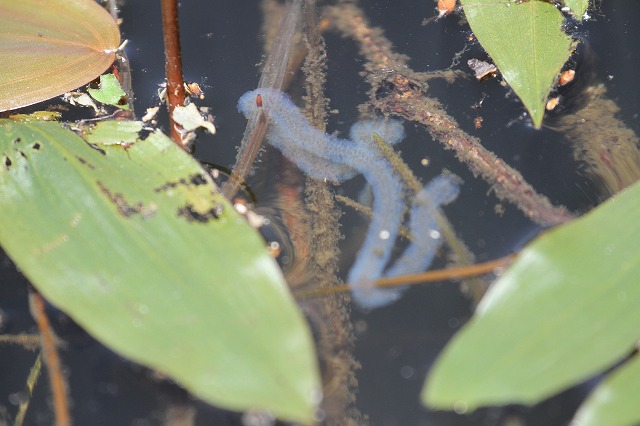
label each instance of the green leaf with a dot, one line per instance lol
(51, 47)
(565, 310)
(137, 245)
(577, 7)
(110, 91)
(526, 43)
(114, 132)
(614, 401)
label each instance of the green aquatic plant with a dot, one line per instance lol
(566, 310)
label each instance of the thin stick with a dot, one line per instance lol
(272, 76)
(248, 156)
(32, 380)
(368, 212)
(27, 341)
(173, 61)
(52, 361)
(424, 277)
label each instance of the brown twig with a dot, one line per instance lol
(273, 74)
(28, 341)
(52, 361)
(246, 158)
(408, 101)
(173, 58)
(398, 90)
(448, 274)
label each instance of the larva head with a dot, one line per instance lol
(269, 99)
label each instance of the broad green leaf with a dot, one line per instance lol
(110, 92)
(615, 400)
(565, 310)
(136, 244)
(49, 47)
(578, 7)
(526, 43)
(113, 132)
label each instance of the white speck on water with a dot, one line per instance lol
(407, 372)
(460, 407)
(434, 234)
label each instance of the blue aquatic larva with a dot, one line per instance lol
(325, 156)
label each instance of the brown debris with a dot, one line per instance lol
(566, 77)
(482, 69)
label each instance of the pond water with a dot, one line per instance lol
(396, 345)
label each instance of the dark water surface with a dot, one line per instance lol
(222, 46)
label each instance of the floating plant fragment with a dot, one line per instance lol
(110, 92)
(190, 119)
(80, 98)
(481, 69)
(49, 47)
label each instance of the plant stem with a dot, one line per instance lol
(52, 361)
(173, 61)
(273, 75)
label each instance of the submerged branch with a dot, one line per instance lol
(330, 315)
(398, 90)
(603, 142)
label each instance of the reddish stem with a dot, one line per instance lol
(175, 84)
(52, 361)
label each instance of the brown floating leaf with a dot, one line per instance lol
(49, 47)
